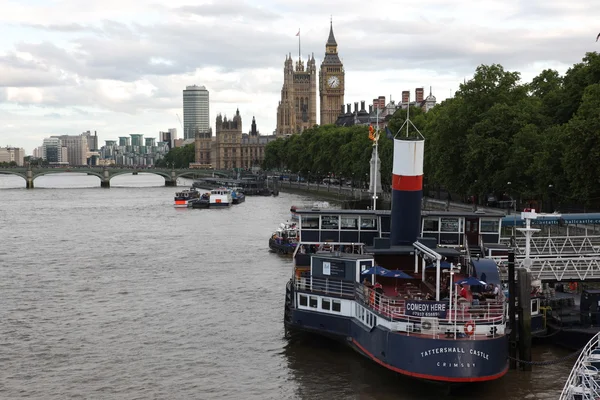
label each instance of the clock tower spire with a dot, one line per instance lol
(331, 81)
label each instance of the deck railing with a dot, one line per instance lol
(460, 317)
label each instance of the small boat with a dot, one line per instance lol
(202, 202)
(183, 197)
(221, 197)
(583, 382)
(237, 195)
(285, 239)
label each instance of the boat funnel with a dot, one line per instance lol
(407, 190)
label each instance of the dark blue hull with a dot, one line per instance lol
(281, 248)
(441, 360)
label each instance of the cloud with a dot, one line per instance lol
(227, 9)
(122, 66)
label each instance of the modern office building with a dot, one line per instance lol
(77, 148)
(195, 112)
(54, 152)
(12, 154)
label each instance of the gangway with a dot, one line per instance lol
(558, 258)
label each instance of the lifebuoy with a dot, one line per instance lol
(470, 328)
(426, 325)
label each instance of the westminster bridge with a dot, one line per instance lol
(107, 173)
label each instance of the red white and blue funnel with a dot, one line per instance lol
(407, 190)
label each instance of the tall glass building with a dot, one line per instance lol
(195, 111)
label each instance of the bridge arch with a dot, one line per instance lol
(87, 172)
(14, 173)
(165, 175)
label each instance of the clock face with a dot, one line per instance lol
(333, 81)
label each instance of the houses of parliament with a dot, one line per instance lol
(297, 109)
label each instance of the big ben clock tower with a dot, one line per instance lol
(331, 82)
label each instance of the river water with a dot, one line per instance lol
(115, 294)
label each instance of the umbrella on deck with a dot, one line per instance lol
(471, 281)
(377, 270)
(400, 275)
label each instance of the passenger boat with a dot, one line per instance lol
(185, 196)
(374, 292)
(285, 239)
(220, 197)
(583, 382)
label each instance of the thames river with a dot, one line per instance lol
(115, 294)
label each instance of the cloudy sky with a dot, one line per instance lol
(119, 66)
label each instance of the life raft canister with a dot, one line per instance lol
(470, 328)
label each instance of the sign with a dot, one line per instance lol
(437, 309)
(337, 268)
(326, 268)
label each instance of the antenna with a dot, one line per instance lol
(180, 123)
(408, 121)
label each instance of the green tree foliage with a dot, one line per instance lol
(178, 157)
(542, 136)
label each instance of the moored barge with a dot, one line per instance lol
(395, 298)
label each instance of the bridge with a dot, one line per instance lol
(107, 173)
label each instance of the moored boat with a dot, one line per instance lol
(220, 197)
(202, 202)
(384, 302)
(237, 196)
(285, 239)
(183, 197)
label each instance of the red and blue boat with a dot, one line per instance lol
(388, 284)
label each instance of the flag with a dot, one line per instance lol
(298, 34)
(371, 133)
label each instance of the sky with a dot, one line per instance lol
(119, 67)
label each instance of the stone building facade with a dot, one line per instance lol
(230, 148)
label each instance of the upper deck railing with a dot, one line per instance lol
(463, 318)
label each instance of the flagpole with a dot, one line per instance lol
(376, 156)
(299, 51)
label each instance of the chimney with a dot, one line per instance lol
(342, 108)
(405, 96)
(419, 95)
(356, 106)
(370, 108)
(362, 105)
(407, 190)
(348, 108)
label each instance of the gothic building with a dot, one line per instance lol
(331, 82)
(230, 148)
(297, 109)
(228, 142)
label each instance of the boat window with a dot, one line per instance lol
(325, 304)
(449, 225)
(303, 300)
(313, 301)
(336, 305)
(368, 223)
(330, 221)
(374, 320)
(490, 225)
(431, 224)
(350, 223)
(310, 222)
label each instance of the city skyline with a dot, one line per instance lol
(120, 68)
